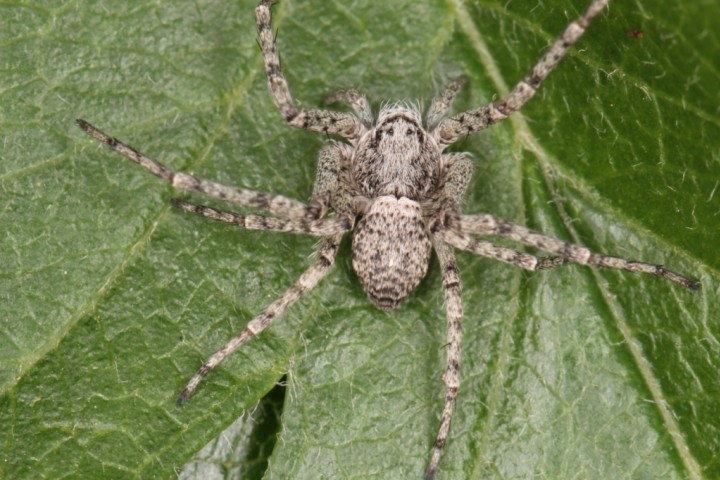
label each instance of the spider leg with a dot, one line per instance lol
(442, 102)
(454, 312)
(331, 187)
(457, 171)
(329, 190)
(337, 123)
(310, 278)
(357, 101)
(496, 252)
(276, 204)
(491, 225)
(457, 174)
(323, 227)
(449, 130)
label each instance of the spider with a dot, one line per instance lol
(391, 185)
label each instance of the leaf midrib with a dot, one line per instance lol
(526, 140)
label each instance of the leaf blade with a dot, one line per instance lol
(137, 296)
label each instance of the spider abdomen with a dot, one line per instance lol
(391, 250)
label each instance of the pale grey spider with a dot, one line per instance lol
(392, 186)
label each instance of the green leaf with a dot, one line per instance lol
(110, 299)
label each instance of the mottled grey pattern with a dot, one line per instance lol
(391, 250)
(396, 158)
(393, 179)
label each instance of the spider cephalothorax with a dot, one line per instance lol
(395, 189)
(397, 157)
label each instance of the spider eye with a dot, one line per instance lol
(391, 131)
(409, 132)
